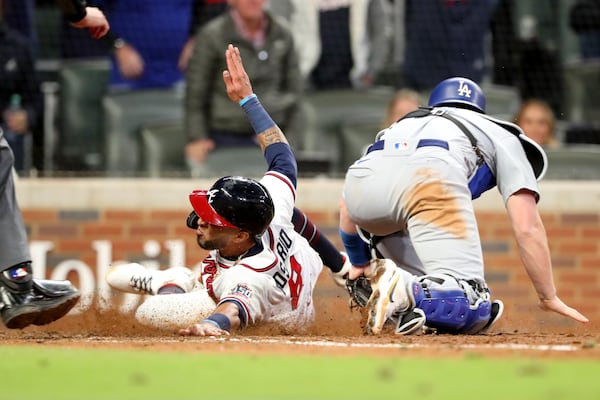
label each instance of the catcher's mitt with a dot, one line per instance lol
(359, 290)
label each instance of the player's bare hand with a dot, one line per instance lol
(235, 76)
(556, 305)
(203, 329)
(95, 21)
(358, 271)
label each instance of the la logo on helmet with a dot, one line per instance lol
(463, 89)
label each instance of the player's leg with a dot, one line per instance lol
(332, 258)
(23, 300)
(175, 311)
(136, 278)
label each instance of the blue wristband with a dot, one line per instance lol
(221, 321)
(245, 99)
(356, 248)
(257, 115)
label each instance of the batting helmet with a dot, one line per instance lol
(235, 202)
(458, 91)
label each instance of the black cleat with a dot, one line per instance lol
(44, 303)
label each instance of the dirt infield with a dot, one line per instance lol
(337, 330)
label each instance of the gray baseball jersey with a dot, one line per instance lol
(414, 184)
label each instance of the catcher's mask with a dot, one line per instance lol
(233, 202)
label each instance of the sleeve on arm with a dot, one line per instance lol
(74, 9)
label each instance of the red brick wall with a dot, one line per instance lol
(574, 243)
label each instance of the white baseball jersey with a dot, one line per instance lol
(276, 284)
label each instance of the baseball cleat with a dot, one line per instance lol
(385, 301)
(411, 322)
(495, 314)
(44, 303)
(135, 278)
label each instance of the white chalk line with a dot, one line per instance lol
(361, 345)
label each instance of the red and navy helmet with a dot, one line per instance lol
(458, 92)
(234, 202)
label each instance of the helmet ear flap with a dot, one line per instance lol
(192, 220)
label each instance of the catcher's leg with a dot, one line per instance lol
(25, 301)
(135, 278)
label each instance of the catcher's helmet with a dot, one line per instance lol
(458, 91)
(235, 202)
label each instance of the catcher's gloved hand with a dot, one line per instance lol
(359, 290)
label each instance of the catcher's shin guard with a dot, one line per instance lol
(449, 310)
(25, 301)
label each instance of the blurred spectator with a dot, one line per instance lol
(19, 15)
(540, 68)
(403, 102)
(445, 38)
(146, 38)
(270, 59)
(584, 19)
(353, 42)
(504, 43)
(202, 12)
(537, 120)
(303, 20)
(20, 96)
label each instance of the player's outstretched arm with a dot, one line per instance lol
(533, 248)
(239, 90)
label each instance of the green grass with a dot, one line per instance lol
(43, 373)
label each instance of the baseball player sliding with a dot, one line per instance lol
(258, 269)
(420, 217)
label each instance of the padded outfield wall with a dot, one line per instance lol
(78, 227)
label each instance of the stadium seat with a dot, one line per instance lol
(124, 115)
(80, 142)
(574, 162)
(327, 112)
(582, 91)
(162, 145)
(356, 133)
(501, 101)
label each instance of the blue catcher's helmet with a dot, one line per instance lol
(458, 91)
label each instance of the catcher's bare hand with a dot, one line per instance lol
(556, 305)
(203, 329)
(235, 76)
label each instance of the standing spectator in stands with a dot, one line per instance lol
(536, 118)
(540, 67)
(270, 59)
(403, 102)
(584, 19)
(445, 38)
(354, 42)
(202, 12)
(20, 96)
(147, 39)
